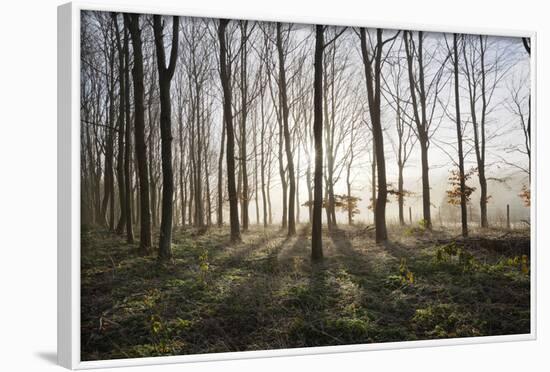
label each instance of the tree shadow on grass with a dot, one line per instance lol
(264, 293)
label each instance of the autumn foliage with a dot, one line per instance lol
(454, 194)
(525, 195)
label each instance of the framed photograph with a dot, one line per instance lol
(242, 186)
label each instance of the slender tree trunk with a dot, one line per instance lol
(401, 156)
(262, 157)
(208, 200)
(191, 204)
(109, 186)
(282, 174)
(483, 199)
(400, 197)
(165, 78)
(309, 193)
(150, 161)
(256, 196)
(220, 179)
(206, 152)
(298, 190)
(426, 203)
(225, 77)
(128, 147)
(329, 144)
(286, 131)
(463, 200)
(421, 121)
(145, 243)
(478, 124)
(481, 167)
(268, 189)
(121, 131)
(244, 113)
(327, 207)
(373, 183)
(348, 184)
(199, 205)
(373, 78)
(183, 183)
(527, 46)
(316, 226)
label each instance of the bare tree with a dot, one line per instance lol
(225, 76)
(459, 134)
(373, 67)
(316, 226)
(285, 114)
(424, 97)
(165, 77)
(400, 101)
(243, 125)
(145, 243)
(121, 126)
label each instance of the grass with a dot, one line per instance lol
(265, 293)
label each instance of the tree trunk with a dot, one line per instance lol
(316, 226)
(481, 163)
(284, 186)
(145, 242)
(463, 200)
(121, 132)
(165, 78)
(150, 153)
(262, 157)
(309, 193)
(183, 183)
(225, 77)
(244, 113)
(373, 183)
(421, 121)
(373, 93)
(128, 149)
(298, 190)
(198, 138)
(109, 179)
(220, 179)
(400, 196)
(256, 196)
(348, 184)
(286, 131)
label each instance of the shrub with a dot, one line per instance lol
(445, 320)
(451, 253)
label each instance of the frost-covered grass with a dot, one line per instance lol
(265, 293)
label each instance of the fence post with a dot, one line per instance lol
(508, 216)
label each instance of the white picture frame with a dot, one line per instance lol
(69, 188)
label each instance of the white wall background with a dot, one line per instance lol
(28, 182)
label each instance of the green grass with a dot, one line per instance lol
(264, 293)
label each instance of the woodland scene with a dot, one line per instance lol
(253, 185)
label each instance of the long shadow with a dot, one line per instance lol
(393, 248)
(270, 308)
(253, 297)
(245, 316)
(296, 249)
(347, 255)
(370, 270)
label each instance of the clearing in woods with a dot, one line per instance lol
(265, 293)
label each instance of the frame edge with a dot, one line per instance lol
(69, 276)
(64, 187)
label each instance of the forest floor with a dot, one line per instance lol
(265, 293)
